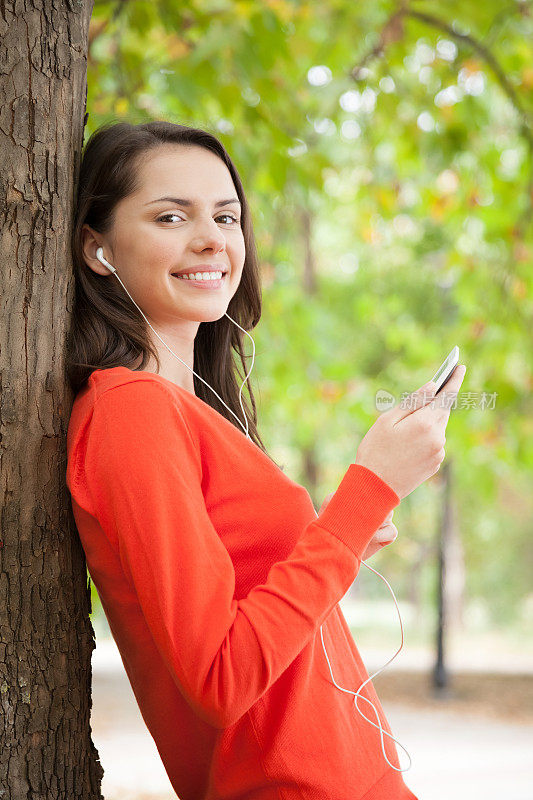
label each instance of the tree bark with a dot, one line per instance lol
(46, 637)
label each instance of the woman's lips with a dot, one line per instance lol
(209, 284)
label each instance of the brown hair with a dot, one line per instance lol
(106, 328)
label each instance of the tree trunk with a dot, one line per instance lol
(46, 638)
(455, 572)
(440, 671)
(309, 285)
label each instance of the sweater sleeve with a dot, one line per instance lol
(141, 473)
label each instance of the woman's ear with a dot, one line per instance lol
(90, 244)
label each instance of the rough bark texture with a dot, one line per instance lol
(46, 638)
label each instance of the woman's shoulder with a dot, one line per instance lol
(126, 392)
(131, 384)
(128, 414)
(104, 379)
(120, 391)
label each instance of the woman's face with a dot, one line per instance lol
(153, 238)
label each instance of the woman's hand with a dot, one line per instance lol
(385, 534)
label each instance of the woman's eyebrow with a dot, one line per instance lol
(180, 201)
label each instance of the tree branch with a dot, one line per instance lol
(487, 56)
(393, 30)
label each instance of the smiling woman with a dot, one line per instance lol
(214, 570)
(164, 199)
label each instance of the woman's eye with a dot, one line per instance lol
(166, 216)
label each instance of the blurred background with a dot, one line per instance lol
(386, 149)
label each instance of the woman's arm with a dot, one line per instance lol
(139, 473)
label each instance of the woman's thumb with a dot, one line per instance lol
(415, 400)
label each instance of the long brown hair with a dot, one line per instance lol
(106, 328)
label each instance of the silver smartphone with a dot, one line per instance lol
(446, 369)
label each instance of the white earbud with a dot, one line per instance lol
(100, 257)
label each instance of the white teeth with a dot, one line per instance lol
(201, 276)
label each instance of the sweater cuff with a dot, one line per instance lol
(358, 507)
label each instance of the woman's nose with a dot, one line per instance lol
(208, 234)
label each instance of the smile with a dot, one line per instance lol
(208, 283)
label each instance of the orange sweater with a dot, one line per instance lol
(215, 574)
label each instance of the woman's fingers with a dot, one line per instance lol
(387, 533)
(382, 537)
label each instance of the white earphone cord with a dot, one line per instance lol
(100, 257)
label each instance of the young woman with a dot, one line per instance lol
(219, 581)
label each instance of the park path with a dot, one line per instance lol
(454, 755)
